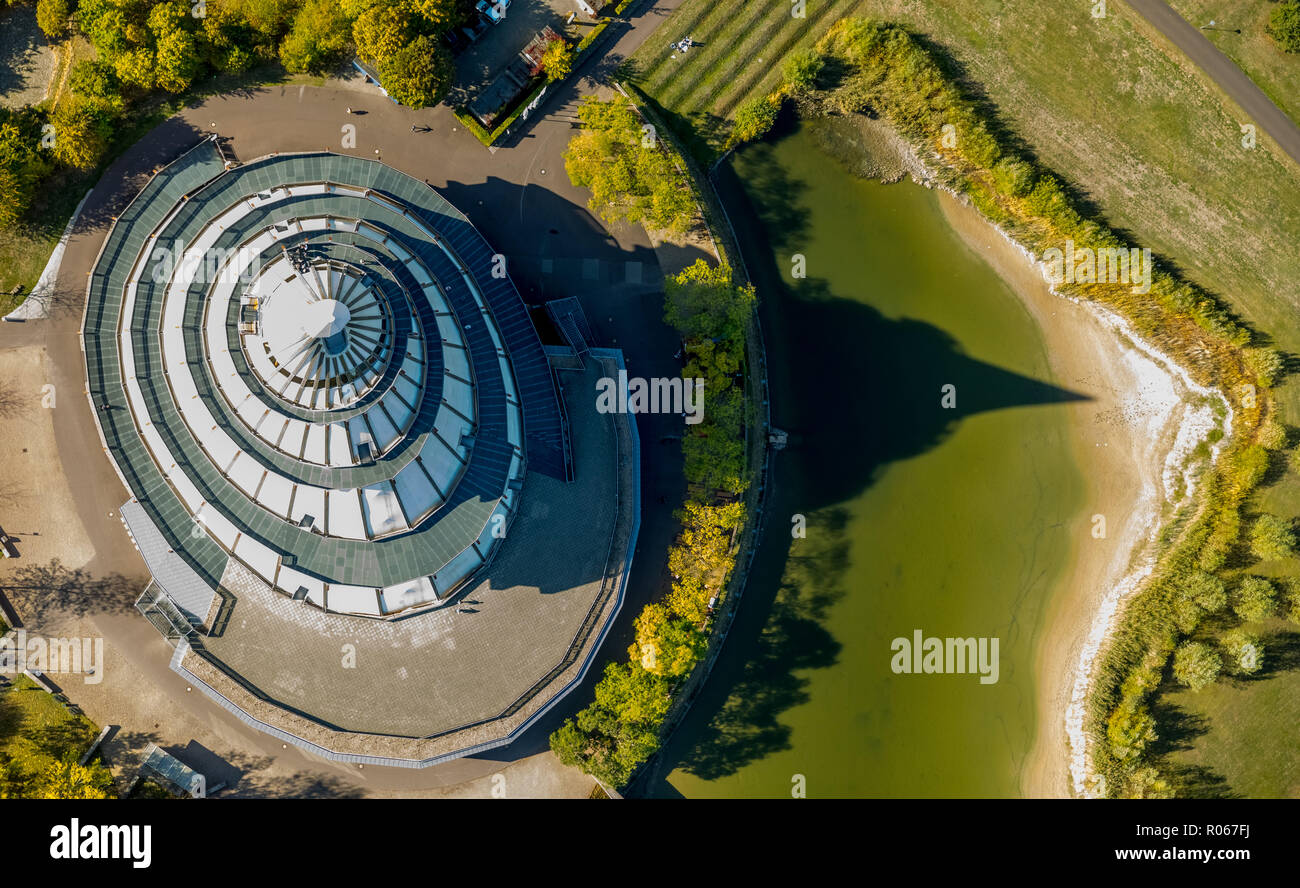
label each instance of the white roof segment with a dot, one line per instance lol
(382, 509)
(400, 596)
(354, 599)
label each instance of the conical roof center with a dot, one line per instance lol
(325, 318)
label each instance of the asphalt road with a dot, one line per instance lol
(1224, 72)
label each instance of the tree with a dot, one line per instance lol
(631, 179)
(320, 33)
(22, 162)
(705, 540)
(136, 67)
(1271, 538)
(702, 301)
(1196, 665)
(438, 15)
(382, 30)
(754, 118)
(177, 61)
(1200, 593)
(69, 780)
(420, 74)
(1244, 651)
(802, 69)
(95, 78)
(620, 729)
(82, 129)
(52, 17)
(1129, 730)
(1147, 783)
(1284, 25)
(270, 18)
(1254, 599)
(666, 645)
(714, 459)
(15, 197)
(557, 59)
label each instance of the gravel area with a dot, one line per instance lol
(27, 61)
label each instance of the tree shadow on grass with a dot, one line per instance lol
(1177, 730)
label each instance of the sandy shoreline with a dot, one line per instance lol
(1129, 442)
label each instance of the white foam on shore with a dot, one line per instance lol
(1194, 421)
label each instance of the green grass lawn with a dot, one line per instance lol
(36, 729)
(1144, 139)
(1276, 72)
(1239, 736)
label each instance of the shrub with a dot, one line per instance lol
(1271, 538)
(1284, 25)
(1254, 599)
(754, 118)
(1196, 665)
(94, 78)
(802, 68)
(1265, 364)
(1244, 651)
(1272, 435)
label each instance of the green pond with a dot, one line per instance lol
(952, 521)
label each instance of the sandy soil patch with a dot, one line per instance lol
(36, 503)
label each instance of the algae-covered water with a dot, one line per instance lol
(919, 516)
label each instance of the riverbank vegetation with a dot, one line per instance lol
(631, 178)
(624, 725)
